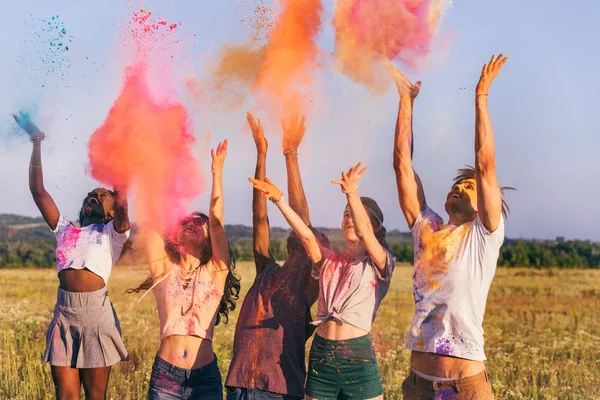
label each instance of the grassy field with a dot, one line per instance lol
(542, 332)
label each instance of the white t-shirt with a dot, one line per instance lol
(96, 247)
(454, 268)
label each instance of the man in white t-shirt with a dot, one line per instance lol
(455, 262)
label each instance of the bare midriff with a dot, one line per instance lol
(189, 352)
(442, 366)
(79, 280)
(332, 331)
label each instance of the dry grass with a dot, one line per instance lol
(542, 333)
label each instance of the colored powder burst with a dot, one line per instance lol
(279, 72)
(260, 21)
(229, 84)
(145, 142)
(41, 73)
(290, 57)
(369, 32)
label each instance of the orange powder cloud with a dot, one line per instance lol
(290, 57)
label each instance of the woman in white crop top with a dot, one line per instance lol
(351, 288)
(84, 339)
(194, 286)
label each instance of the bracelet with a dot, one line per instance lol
(37, 136)
(278, 201)
(36, 166)
(481, 94)
(288, 152)
(350, 191)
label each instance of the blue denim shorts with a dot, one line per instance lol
(169, 382)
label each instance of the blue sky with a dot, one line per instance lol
(542, 106)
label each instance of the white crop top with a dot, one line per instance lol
(96, 247)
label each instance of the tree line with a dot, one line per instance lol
(561, 253)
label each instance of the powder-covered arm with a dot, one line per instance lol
(293, 132)
(260, 219)
(121, 218)
(44, 202)
(489, 195)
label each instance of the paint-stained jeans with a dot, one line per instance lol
(169, 382)
(475, 387)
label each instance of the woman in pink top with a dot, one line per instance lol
(194, 287)
(352, 284)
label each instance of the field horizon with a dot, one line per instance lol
(541, 331)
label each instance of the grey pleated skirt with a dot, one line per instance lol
(85, 331)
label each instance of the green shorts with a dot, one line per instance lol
(343, 369)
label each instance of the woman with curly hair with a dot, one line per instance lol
(84, 339)
(194, 287)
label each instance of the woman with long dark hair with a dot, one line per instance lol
(194, 286)
(352, 285)
(84, 338)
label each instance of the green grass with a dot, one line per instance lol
(542, 333)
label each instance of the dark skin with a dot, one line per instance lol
(98, 208)
(293, 134)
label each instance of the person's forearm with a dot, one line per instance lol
(215, 217)
(360, 217)
(295, 222)
(121, 217)
(403, 138)
(36, 176)
(295, 189)
(260, 223)
(485, 155)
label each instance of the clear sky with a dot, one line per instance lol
(542, 106)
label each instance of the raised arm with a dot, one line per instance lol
(216, 228)
(293, 133)
(41, 197)
(362, 223)
(156, 256)
(489, 196)
(306, 235)
(260, 219)
(410, 190)
(121, 217)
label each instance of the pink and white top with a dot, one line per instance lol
(95, 247)
(187, 303)
(454, 268)
(350, 290)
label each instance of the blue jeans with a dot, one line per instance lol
(235, 393)
(169, 382)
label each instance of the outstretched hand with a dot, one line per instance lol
(257, 134)
(218, 156)
(268, 188)
(27, 125)
(349, 181)
(489, 72)
(405, 87)
(293, 132)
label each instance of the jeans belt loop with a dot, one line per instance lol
(456, 385)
